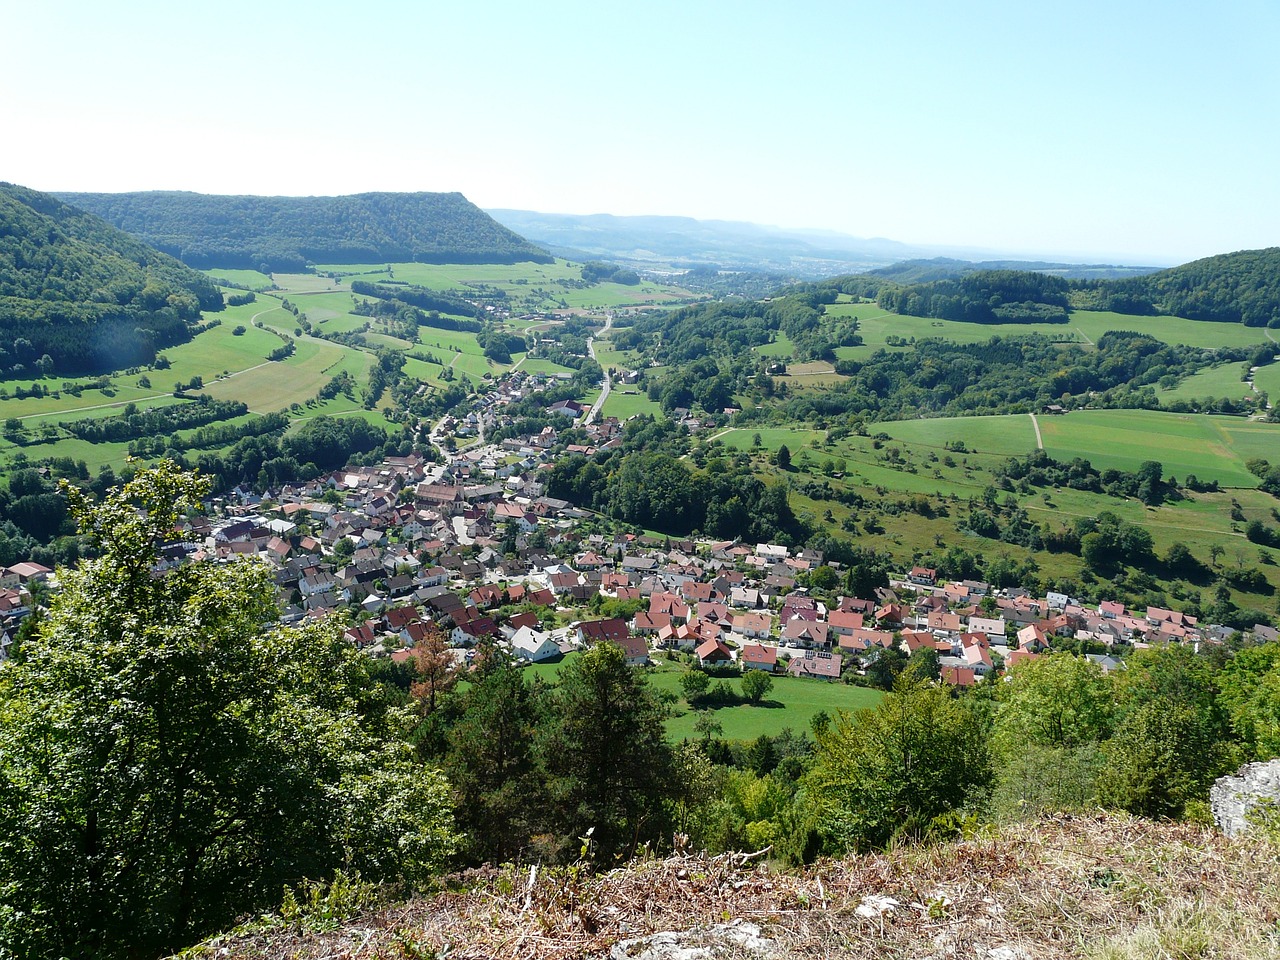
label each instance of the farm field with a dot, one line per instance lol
(914, 464)
(780, 347)
(1212, 448)
(1220, 381)
(276, 385)
(251, 279)
(1009, 436)
(1268, 379)
(528, 285)
(607, 356)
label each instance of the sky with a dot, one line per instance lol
(1139, 132)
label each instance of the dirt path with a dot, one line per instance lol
(1036, 423)
(1082, 334)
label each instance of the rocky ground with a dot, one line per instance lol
(1105, 887)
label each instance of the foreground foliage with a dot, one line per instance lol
(167, 763)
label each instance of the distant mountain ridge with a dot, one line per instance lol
(286, 233)
(946, 268)
(684, 241)
(78, 295)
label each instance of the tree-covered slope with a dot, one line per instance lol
(284, 233)
(1240, 287)
(84, 295)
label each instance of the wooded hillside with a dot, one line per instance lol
(1241, 287)
(78, 295)
(284, 233)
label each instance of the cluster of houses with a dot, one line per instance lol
(409, 549)
(472, 550)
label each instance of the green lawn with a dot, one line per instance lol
(539, 365)
(627, 402)
(793, 702)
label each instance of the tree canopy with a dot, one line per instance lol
(167, 762)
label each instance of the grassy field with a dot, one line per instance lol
(539, 365)
(1268, 379)
(793, 702)
(1220, 381)
(1212, 448)
(1007, 436)
(914, 462)
(607, 356)
(245, 278)
(627, 402)
(528, 286)
(780, 347)
(1084, 326)
(274, 386)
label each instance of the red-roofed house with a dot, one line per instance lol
(756, 657)
(822, 666)
(713, 652)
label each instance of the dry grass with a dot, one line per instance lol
(1105, 888)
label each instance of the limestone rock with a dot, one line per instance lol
(1232, 797)
(725, 940)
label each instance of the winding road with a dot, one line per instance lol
(1036, 423)
(608, 381)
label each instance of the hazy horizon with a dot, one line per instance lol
(1134, 133)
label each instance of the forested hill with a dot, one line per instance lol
(1241, 287)
(284, 233)
(78, 295)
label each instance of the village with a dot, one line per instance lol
(473, 548)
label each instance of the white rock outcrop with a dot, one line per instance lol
(1231, 798)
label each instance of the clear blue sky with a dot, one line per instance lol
(1142, 131)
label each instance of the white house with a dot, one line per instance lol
(533, 645)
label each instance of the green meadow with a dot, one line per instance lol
(1083, 326)
(1211, 448)
(1005, 435)
(1220, 381)
(793, 702)
(528, 286)
(627, 401)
